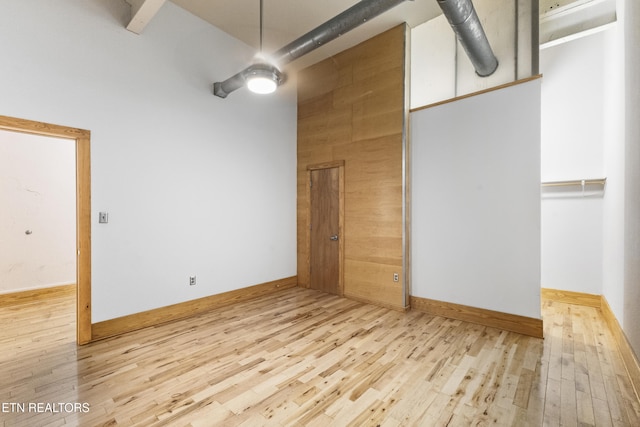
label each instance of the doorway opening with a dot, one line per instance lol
(82, 140)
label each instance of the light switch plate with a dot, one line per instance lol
(103, 217)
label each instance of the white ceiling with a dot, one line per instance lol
(286, 20)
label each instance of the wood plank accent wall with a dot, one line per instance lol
(351, 108)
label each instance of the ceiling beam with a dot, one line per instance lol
(142, 12)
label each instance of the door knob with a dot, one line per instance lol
(334, 237)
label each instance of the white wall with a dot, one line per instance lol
(194, 184)
(572, 109)
(571, 240)
(630, 317)
(614, 163)
(573, 136)
(476, 201)
(433, 64)
(601, 103)
(37, 194)
(441, 69)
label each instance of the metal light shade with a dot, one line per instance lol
(262, 78)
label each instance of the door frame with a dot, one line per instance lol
(339, 164)
(82, 140)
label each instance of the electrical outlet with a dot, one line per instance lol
(396, 277)
(192, 280)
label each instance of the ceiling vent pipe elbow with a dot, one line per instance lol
(466, 25)
(342, 23)
(235, 82)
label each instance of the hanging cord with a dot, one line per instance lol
(260, 26)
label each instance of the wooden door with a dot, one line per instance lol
(324, 274)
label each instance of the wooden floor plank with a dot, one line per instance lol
(301, 357)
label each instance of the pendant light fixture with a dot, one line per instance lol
(262, 77)
(361, 12)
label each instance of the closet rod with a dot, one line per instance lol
(581, 182)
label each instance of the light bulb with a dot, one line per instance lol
(261, 84)
(263, 78)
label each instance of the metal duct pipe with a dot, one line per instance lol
(465, 23)
(351, 18)
(346, 21)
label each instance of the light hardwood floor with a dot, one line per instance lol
(301, 357)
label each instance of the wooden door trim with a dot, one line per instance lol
(339, 164)
(82, 139)
(326, 165)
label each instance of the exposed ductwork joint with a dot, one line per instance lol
(342, 23)
(222, 89)
(466, 25)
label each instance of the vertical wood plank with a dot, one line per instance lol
(351, 107)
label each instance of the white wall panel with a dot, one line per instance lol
(476, 201)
